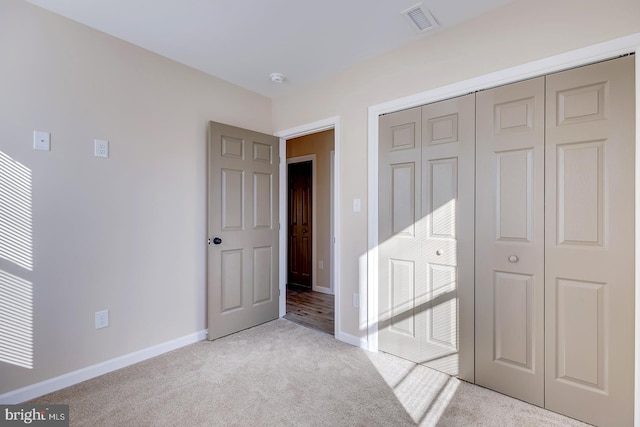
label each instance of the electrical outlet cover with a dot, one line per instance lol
(101, 148)
(102, 319)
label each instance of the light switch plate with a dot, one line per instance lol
(41, 140)
(101, 148)
(356, 300)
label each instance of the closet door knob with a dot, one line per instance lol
(439, 252)
(513, 258)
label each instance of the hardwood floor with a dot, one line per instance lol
(311, 309)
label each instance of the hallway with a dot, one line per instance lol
(312, 309)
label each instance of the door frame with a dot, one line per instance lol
(284, 135)
(583, 56)
(314, 247)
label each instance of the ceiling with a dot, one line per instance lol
(243, 42)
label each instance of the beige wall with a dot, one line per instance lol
(320, 144)
(516, 34)
(125, 233)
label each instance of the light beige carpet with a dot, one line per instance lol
(284, 374)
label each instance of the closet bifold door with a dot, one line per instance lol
(401, 326)
(510, 240)
(590, 242)
(448, 149)
(425, 233)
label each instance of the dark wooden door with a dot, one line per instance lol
(300, 221)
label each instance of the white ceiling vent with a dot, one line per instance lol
(420, 18)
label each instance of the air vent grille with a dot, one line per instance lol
(420, 18)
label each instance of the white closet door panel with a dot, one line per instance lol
(402, 275)
(510, 240)
(448, 136)
(590, 243)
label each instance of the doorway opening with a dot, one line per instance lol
(309, 230)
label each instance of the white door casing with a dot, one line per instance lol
(284, 135)
(314, 210)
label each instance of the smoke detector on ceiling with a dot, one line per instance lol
(420, 18)
(278, 77)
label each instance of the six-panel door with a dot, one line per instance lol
(589, 263)
(243, 214)
(510, 240)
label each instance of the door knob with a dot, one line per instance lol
(513, 259)
(304, 231)
(439, 252)
(217, 240)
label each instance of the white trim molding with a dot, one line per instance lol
(315, 127)
(48, 386)
(637, 246)
(353, 340)
(602, 51)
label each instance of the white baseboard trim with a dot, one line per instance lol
(323, 290)
(48, 386)
(353, 340)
